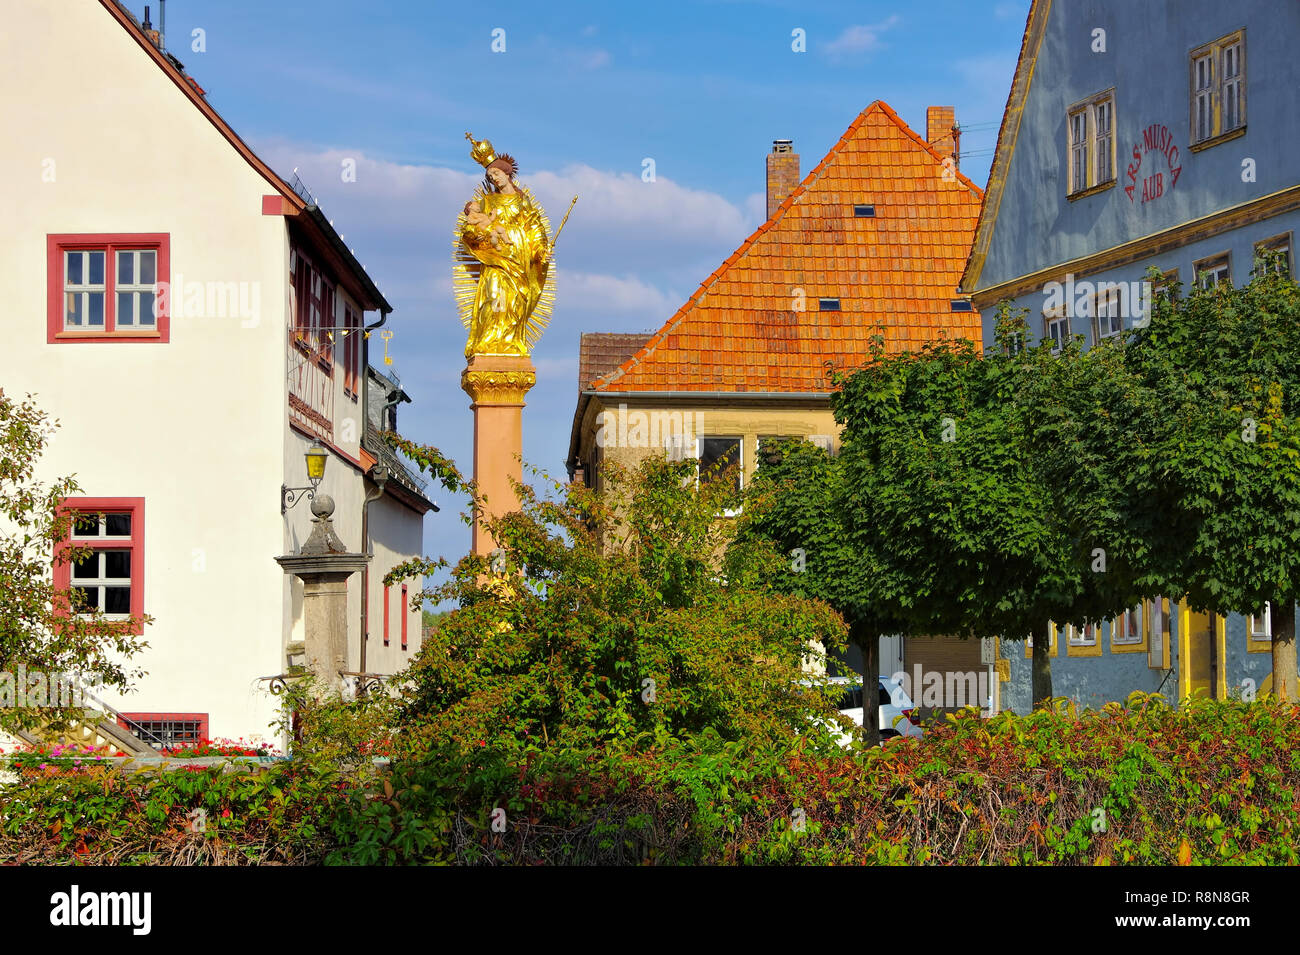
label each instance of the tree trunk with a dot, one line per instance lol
(1042, 669)
(870, 644)
(1284, 666)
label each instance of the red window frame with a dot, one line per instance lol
(351, 352)
(387, 604)
(325, 326)
(200, 718)
(93, 505)
(302, 298)
(108, 243)
(406, 615)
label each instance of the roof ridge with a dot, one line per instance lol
(786, 204)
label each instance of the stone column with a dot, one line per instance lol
(496, 385)
(324, 565)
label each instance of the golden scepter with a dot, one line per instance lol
(562, 221)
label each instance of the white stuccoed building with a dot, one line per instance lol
(195, 324)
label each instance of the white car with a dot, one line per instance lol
(897, 714)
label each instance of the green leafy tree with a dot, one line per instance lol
(1214, 479)
(618, 615)
(44, 628)
(936, 494)
(799, 502)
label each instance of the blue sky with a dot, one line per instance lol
(582, 94)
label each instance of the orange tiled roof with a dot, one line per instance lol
(896, 273)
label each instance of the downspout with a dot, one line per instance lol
(365, 507)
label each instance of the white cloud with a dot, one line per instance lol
(609, 293)
(861, 38)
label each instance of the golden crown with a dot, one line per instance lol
(481, 151)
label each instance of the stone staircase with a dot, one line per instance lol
(97, 728)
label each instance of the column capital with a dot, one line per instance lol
(498, 379)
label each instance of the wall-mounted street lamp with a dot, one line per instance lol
(316, 457)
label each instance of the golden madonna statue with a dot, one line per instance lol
(503, 276)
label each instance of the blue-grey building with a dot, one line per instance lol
(1140, 133)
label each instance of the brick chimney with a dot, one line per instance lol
(782, 173)
(941, 132)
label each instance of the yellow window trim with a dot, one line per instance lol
(1084, 182)
(1081, 649)
(1184, 652)
(1215, 51)
(1255, 645)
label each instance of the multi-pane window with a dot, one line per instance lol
(84, 288)
(102, 580)
(719, 459)
(1213, 271)
(1084, 636)
(137, 276)
(1091, 128)
(104, 286)
(1056, 327)
(314, 307)
(325, 328)
(1126, 629)
(1275, 254)
(1078, 151)
(107, 536)
(1108, 319)
(1167, 286)
(1103, 140)
(1260, 626)
(302, 272)
(1218, 88)
(351, 352)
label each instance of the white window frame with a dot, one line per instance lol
(100, 581)
(1278, 243)
(1085, 636)
(1216, 267)
(86, 289)
(135, 289)
(1124, 624)
(1112, 315)
(1253, 631)
(740, 453)
(1056, 326)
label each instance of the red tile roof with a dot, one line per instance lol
(896, 272)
